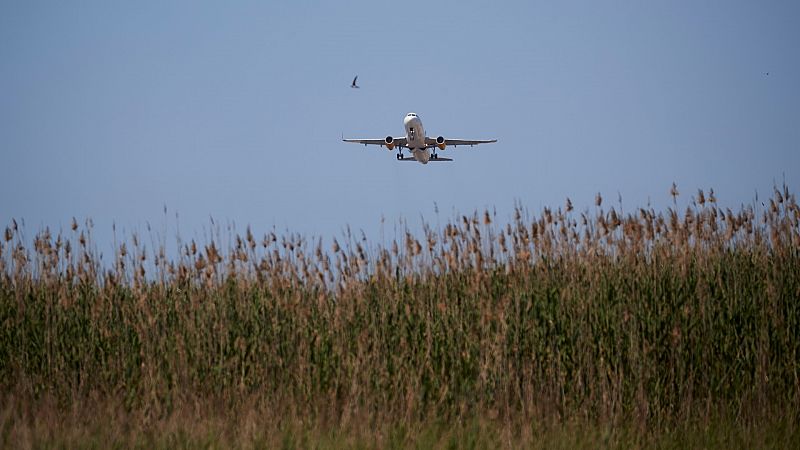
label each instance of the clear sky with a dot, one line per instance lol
(114, 110)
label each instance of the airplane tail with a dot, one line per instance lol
(409, 158)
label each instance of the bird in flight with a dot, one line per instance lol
(354, 85)
(417, 143)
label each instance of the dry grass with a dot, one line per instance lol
(632, 325)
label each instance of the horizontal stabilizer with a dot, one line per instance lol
(411, 158)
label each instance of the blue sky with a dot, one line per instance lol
(113, 110)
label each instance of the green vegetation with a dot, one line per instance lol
(560, 330)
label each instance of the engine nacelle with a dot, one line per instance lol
(441, 143)
(389, 142)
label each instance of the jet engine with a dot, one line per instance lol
(440, 142)
(389, 142)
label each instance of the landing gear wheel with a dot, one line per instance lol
(399, 156)
(435, 156)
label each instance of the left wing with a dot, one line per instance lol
(396, 142)
(431, 142)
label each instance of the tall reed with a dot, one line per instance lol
(645, 318)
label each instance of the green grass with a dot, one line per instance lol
(560, 330)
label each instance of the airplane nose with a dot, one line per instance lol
(410, 119)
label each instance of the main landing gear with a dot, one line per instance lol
(434, 155)
(399, 156)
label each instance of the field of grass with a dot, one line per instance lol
(560, 329)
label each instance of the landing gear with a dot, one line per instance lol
(434, 155)
(399, 156)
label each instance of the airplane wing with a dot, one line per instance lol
(398, 142)
(431, 142)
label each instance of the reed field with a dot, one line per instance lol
(608, 327)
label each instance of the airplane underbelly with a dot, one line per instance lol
(416, 143)
(422, 155)
(415, 134)
(419, 139)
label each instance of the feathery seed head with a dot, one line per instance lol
(778, 196)
(673, 191)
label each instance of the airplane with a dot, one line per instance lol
(417, 143)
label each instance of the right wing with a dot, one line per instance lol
(431, 142)
(396, 142)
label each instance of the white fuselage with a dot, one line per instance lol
(415, 138)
